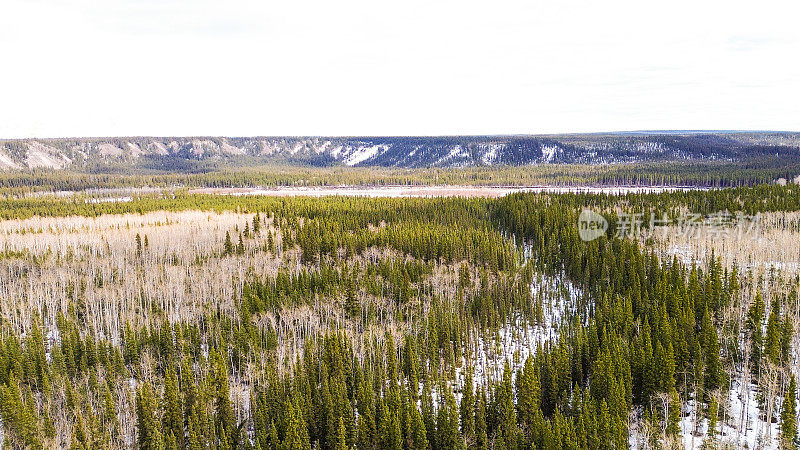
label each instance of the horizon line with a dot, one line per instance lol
(589, 133)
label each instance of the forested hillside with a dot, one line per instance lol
(192, 321)
(199, 154)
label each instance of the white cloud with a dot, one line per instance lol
(80, 67)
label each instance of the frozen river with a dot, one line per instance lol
(434, 191)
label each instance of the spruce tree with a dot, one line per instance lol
(341, 436)
(296, 429)
(447, 436)
(674, 416)
(481, 435)
(772, 347)
(173, 411)
(713, 367)
(428, 417)
(417, 438)
(789, 416)
(713, 413)
(668, 372)
(605, 434)
(240, 246)
(755, 317)
(508, 430)
(225, 421)
(367, 428)
(467, 409)
(274, 442)
(528, 393)
(194, 442)
(227, 248)
(147, 423)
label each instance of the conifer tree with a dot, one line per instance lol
(755, 317)
(713, 367)
(389, 433)
(367, 428)
(481, 436)
(225, 421)
(131, 345)
(528, 393)
(713, 413)
(668, 372)
(227, 248)
(428, 417)
(789, 416)
(352, 305)
(467, 409)
(604, 428)
(173, 410)
(147, 423)
(274, 442)
(341, 435)
(296, 429)
(240, 246)
(391, 360)
(417, 438)
(508, 432)
(170, 442)
(447, 436)
(674, 417)
(772, 347)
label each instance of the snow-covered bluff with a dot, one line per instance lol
(172, 153)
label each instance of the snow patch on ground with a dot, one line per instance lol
(362, 154)
(517, 340)
(520, 339)
(41, 155)
(136, 151)
(297, 147)
(416, 149)
(650, 147)
(6, 163)
(269, 147)
(202, 146)
(744, 425)
(740, 424)
(457, 152)
(549, 152)
(159, 148)
(106, 149)
(322, 148)
(229, 149)
(491, 154)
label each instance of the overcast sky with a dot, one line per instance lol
(302, 67)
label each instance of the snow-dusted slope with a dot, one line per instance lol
(457, 151)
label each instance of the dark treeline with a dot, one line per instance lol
(758, 170)
(359, 212)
